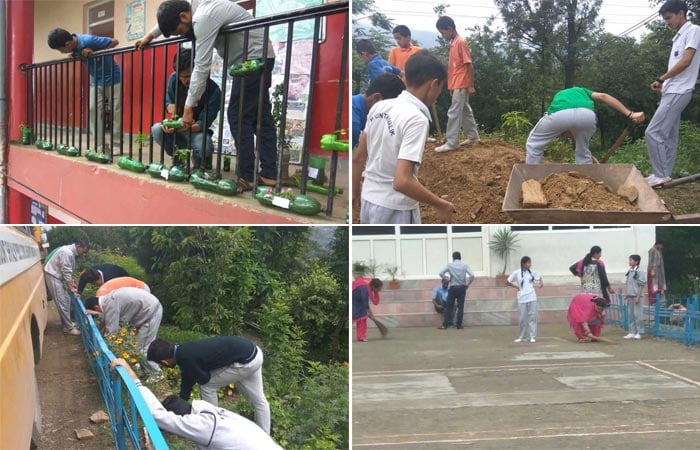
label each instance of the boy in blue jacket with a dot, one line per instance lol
(105, 79)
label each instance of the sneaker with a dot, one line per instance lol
(518, 341)
(629, 336)
(72, 331)
(468, 142)
(655, 181)
(444, 148)
(532, 340)
(637, 336)
(650, 177)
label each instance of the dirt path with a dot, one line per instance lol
(68, 391)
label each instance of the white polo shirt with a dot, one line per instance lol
(396, 129)
(526, 281)
(687, 37)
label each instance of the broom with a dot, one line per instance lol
(602, 339)
(382, 328)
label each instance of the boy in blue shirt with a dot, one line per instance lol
(376, 65)
(384, 87)
(208, 105)
(105, 79)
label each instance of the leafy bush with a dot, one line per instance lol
(209, 276)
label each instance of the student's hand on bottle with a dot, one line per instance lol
(170, 109)
(187, 117)
(168, 130)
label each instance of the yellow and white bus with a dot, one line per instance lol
(23, 318)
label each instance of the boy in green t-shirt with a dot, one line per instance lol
(572, 110)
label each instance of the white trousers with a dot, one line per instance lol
(581, 122)
(662, 133)
(635, 313)
(248, 379)
(528, 319)
(460, 116)
(147, 333)
(61, 296)
(103, 93)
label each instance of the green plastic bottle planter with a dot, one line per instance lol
(317, 170)
(331, 142)
(300, 204)
(172, 123)
(176, 173)
(250, 67)
(155, 170)
(227, 163)
(223, 187)
(26, 134)
(314, 188)
(129, 164)
(43, 145)
(65, 150)
(97, 157)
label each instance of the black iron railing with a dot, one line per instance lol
(66, 110)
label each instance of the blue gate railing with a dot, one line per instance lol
(676, 319)
(124, 402)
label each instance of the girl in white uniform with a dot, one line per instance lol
(523, 281)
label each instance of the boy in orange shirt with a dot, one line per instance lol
(399, 55)
(460, 80)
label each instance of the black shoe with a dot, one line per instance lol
(460, 327)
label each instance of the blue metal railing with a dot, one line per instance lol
(117, 389)
(678, 319)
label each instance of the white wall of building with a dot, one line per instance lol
(421, 256)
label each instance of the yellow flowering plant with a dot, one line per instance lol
(124, 345)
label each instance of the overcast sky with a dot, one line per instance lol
(619, 15)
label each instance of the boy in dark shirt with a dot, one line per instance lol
(208, 106)
(214, 363)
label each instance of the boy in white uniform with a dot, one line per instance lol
(676, 88)
(208, 426)
(524, 281)
(392, 148)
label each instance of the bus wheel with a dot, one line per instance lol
(36, 427)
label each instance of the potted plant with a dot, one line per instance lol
(392, 271)
(359, 269)
(503, 241)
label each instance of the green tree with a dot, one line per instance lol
(681, 258)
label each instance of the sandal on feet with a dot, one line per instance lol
(244, 185)
(264, 181)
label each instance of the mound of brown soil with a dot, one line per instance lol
(473, 178)
(574, 190)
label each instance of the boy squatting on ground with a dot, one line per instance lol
(202, 20)
(207, 105)
(101, 79)
(392, 147)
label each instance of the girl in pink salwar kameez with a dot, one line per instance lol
(586, 316)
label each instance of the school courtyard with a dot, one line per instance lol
(424, 388)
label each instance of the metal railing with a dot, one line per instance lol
(677, 319)
(60, 102)
(125, 405)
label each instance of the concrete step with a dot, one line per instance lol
(486, 304)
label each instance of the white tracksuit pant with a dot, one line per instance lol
(248, 379)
